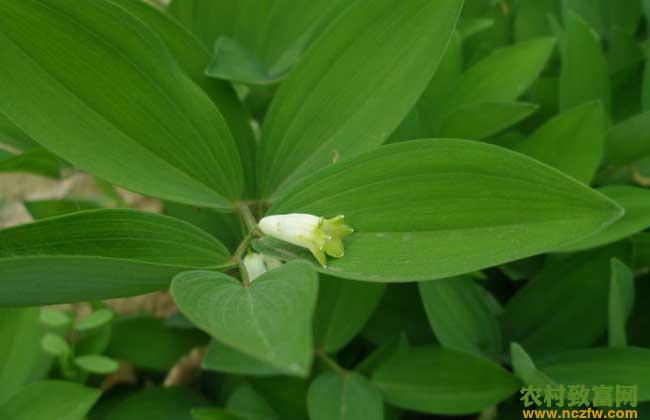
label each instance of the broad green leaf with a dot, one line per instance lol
(20, 349)
(270, 320)
(99, 254)
(625, 55)
(592, 13)
(173, 403)
(462, 315)
(635, 201)
(248, 404)
(343, 309)
(621, 301)
(98, 364)
(353, 87)
(50, 400)
(432, 209)
(384, 352)
(524, 368)
(569, 295)
(629, 140)
(601, 366)
(94, 320)
(572, 142)
(54, 318)
(503, 76)
(645, 94)
(584, 76)
(42, 209)
(143, 125)
(171, 344)
(193, 57)
(222, 358)
(484, 119)
(13, 136)
(36, 161)
(55, 345)
(439, 381)
(343, 397)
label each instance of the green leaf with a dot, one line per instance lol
(54, 318)
(248, 404)
(503, 76)
(99, 254)
(55, 345)
(343, 397)
(213, 414)
(525, 369)
(641, 250)
(98, 364)
(50, 400)
(531, 19)
(193, 57)
(566, 293)
(484, 119)
(439, 381)
(337, 100)
(36, 161)
(584, 76)
(572, 142)
(171, 344)
(602, 366)
(270, 320)
(94, 320)
(173, 403)
(143, 125)
(635, 201)
(621, 302)
(13, 136)
(43, 209)
(384, 352)
(20, 349)
(629, 140)
(645, 94)
(432, 209)
(462, 315)
(343, 309)
(222, 358)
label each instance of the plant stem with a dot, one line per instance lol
(331, 363)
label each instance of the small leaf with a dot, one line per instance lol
(43, 209)
(621, 301)
(55, 345)
(170, 403)
(525, 369)
(98, 364)
(629, 140)
(484, 119)
(635, 201)
(462, 315)
(584, 76)
(439, 381)
(270, 320)
(94, 320)
(503, 76)
(343, 397)
(572, 142)
(343, 309)
(337, 99)
(246, 403)
(99, 254)
(430, 209)
(222, 358)
(37, 161)
(50, 400)
(55, 318)
(143, 125)
(601, 366)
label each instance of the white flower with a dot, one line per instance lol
(254, 264)
(320, 236)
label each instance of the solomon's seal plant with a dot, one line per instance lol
(321, 209)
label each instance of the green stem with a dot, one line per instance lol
(331, 363)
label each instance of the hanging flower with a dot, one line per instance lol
(319, 235)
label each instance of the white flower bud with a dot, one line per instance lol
(321, 236)
(254, 264)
